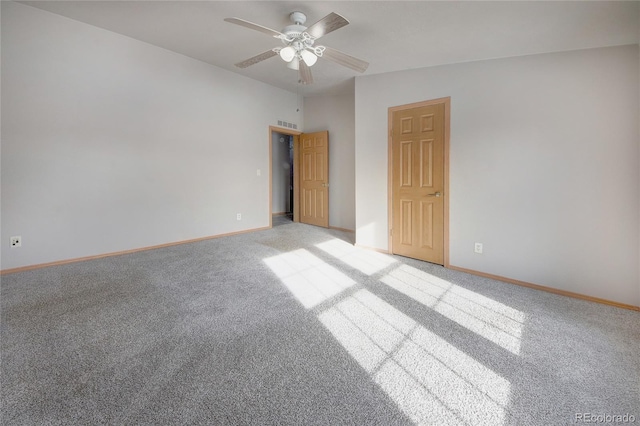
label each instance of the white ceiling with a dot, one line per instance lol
(390, 35)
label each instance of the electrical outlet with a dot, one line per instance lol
(478, 248)
(258, 172)
(16, 241)
(239, 216)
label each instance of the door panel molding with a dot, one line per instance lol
(407, 125)
(315, 185)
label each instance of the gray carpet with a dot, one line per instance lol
(294, 325)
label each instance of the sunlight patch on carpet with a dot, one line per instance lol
(308, 278)
(488, 318)
(366, 261)
(428, 378)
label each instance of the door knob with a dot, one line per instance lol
(435, 194)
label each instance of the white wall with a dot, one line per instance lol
(280, 173)
(544, 165)
(110, 144)
(337, 115)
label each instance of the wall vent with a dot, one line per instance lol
(287, 125)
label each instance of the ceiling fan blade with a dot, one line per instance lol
(305, 73)
(329, 23)
(253, 26)
(345, 60)
(258, 58)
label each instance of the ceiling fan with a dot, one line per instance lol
(299, 49)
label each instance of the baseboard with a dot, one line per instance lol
(547, 289)
(342, 229)
(119, 253)
(529, 285)
(279, 214)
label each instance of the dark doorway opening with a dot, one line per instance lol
(282, 178)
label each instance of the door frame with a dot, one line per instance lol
(296, 177)
(447, 122)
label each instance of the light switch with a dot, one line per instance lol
(258, 172)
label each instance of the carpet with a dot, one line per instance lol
(295, 325)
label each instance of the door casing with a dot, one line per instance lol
(447, 120)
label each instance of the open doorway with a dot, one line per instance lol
(283, 197)
(299, 176)
(282, 185)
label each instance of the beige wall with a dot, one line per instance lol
(544, 165)
(337, 115)
(110, 144)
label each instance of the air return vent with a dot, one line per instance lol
(287, 125)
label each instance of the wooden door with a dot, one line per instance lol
(314, 178)
(418, 182)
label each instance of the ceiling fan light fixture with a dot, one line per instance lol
(288, 53)
(294, 64)
(298, 44)
(308, 57)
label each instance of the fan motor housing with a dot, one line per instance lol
(294, 30)
(298, 17)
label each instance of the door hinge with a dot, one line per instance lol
(391, 232)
